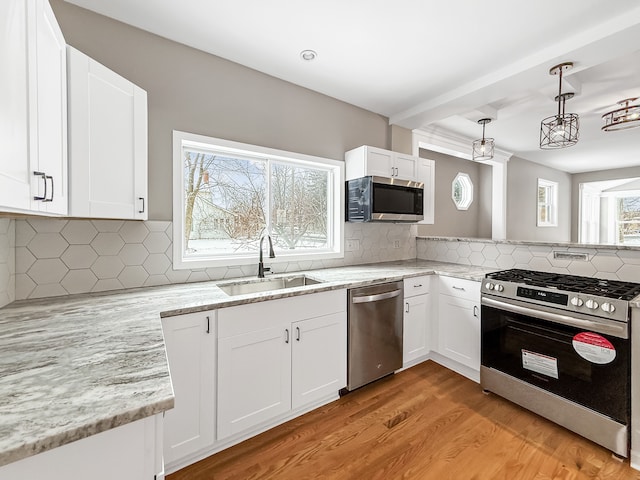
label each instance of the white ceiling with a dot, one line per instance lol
(432, 65)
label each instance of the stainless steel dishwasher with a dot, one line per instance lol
(375, 333)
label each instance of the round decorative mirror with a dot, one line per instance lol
(462, 191)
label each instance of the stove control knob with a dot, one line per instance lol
(576, 302)
(591, 304)
(489, 286)
(607, 307)
(499, 288)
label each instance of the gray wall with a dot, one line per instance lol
(579, 178)
(196, 92)
(449, 221)
(522, 186)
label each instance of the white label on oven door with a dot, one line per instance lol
(594, 347)
(539, 363)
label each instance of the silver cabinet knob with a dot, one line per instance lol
(607, 307)
(576, 302)
(591, 304)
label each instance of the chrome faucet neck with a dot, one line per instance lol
(261, 268)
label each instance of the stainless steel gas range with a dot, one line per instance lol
(559, 345)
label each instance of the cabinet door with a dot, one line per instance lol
(427, 175)
(126, 452)
(319, 358)
(416, 321)
(48, 106)
(254, 378)
(190, 344)
(108, 142)
(379, 162)
(15, 175)
(459, 330)
(406, 166)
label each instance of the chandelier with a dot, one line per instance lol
(560, 130)
(626, 116)
(483, 147)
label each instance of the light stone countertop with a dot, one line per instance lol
(78, 365)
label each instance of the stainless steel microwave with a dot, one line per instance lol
(380, 199)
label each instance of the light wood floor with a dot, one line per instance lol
(424, 423)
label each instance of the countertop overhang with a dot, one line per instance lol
(78, 365)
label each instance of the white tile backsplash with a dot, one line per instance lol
(604, 262)
(7, 261)
(62, 256)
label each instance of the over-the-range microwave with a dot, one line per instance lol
(380, 199)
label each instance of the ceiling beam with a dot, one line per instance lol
(586, 49)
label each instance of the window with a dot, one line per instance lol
(227, 195)
(547, 203)
(462, 191)
(627, 216)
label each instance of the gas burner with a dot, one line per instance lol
(570, 283)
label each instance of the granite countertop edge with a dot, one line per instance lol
(31, 369)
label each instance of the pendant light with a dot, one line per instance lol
(560, 130)
(483, 147)
(626, 116)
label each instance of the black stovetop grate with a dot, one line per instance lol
(570, 283)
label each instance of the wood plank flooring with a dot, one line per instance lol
(424, 423)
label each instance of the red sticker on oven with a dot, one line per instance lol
(594, 347)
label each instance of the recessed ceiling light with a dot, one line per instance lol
(308, 55)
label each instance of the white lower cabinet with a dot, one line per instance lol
(458, 325)
(129, 452)
(416, 320)
(279, 356)
(190, 342)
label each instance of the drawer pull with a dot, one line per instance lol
(459, 288)
(417, 285)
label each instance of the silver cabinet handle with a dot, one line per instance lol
(459, 288)
(45, 188)
(141, 198)
(417, 285)
(286, 338)
(297, 334)
(208, 324)
(475, 311)
(375, 298)
(44, 179)
(407, 307)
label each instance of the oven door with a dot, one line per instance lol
(572, 356)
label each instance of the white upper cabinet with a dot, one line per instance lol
(107, 142)
(15, 178)
(371, 161)
(33, 126)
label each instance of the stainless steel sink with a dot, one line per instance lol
(267, 284)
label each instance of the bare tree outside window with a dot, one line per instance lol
(629, 220)
(230, 201)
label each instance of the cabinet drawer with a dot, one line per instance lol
(262, 315)
(416, 285)
(460, 287)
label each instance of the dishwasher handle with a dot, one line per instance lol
(376, 298)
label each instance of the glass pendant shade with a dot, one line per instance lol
(624, 117)
(560, 130)
(483, 148)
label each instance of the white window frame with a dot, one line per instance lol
(336, 228)
(551, 203)
(466, 188)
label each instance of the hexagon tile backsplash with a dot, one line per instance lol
(61, 256)
(7, 261)
(610, 262)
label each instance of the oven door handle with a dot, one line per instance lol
(619, 331)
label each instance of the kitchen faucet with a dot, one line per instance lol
(261, 268)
